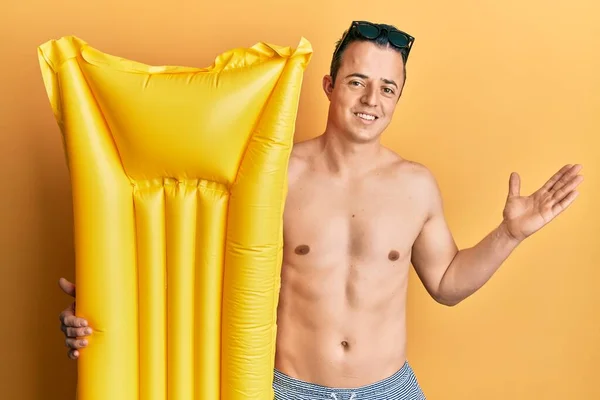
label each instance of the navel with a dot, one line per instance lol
(302, 250)
(344, 344)
(394, 255)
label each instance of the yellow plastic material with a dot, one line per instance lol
(179, 177)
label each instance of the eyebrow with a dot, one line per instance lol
(363, 76)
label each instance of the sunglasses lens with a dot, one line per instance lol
(398, 39)
(368, 31)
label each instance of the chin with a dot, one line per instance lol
(364, 136)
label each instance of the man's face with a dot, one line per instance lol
(364, 97)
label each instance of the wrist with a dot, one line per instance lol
(505, 235)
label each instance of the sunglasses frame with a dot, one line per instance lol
(405, 50)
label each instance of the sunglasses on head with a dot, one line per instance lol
(369, 30)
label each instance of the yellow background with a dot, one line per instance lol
(492, 87)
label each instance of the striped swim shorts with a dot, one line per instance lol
(402, 385)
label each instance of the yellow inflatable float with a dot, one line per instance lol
(179, 177)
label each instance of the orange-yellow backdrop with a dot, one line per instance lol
(492, 87)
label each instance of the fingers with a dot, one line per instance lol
(73, 327)
(514, 185)
(564, 203)
(566, 189)
(76, 332)
(68, 318)
(66, 313)
(73, 354)
(67, 287)
(75, 344)
(556, 177)
(566, 177)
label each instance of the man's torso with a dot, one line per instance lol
(347, 250)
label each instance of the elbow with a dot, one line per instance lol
(447, 299)
(447, 294)
(448, 302)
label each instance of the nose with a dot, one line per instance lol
(369, 97)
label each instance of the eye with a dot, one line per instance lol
(388, 90)
(355, 83)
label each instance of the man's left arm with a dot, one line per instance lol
(451, 275)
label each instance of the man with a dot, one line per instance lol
(357, 215)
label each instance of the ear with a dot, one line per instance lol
(328, 86)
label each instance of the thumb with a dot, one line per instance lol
(67, 287)
(514, 185)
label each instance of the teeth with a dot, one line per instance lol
(365, 116)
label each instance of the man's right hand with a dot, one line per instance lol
(74, 328)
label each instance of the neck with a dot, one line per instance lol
(346, 158)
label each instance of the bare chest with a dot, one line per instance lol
(367, 223)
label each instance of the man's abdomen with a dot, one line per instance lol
(340, 332)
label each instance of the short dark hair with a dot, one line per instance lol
(351, 36)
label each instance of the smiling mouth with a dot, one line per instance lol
(366, 117)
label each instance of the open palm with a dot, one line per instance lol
(524, 215)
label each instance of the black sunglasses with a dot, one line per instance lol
(369, 30)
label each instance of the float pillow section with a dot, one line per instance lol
(179, 177)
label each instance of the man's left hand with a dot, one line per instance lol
(524, 215)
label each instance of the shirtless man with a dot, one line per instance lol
(357, 216)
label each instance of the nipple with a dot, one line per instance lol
(302, 250)
(394, 255)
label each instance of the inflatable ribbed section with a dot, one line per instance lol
(179, 177)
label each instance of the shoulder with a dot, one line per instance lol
(418, 179)
(303, 150)
(300, 157)
(409, 170)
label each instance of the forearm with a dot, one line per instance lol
(471, 268)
